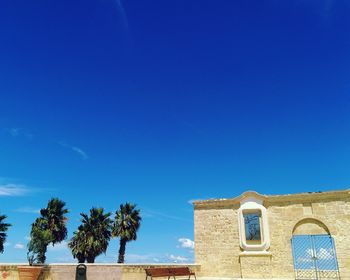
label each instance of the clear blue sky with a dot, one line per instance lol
(160, 102)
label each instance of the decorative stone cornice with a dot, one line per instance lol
(273, 199)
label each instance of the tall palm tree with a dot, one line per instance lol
(92, 237)
(126, 224)
(54, 214)
(49, 228)
(3, 229)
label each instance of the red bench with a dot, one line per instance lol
(169, 272)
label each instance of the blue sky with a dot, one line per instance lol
(161, 102)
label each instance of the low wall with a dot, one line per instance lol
(94, 271)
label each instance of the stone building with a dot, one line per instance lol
(298, 236)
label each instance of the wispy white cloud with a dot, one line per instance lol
(15, 187)
(108, 258)
(80, 152)
(153, 258)
(147, 213)
(58, 247)
(19, 132)
(133, 258)
(122, 14)
(136, 258)
(186, 243)
(177, 259)
(65, 258)
(13, 190)
(14, 131)
(75, 149)
(146, 258)
(19, 246)
(29, 210)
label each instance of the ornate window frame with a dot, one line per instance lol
(251, 204)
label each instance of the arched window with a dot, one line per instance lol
(253, 225)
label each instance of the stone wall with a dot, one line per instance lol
(216, 242)
(94, 271)
(217, 247)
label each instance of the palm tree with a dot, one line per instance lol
(49, 228)
(92, 237)
(40, 238)
(78, 245)
(54, 214)
(3, 228)
(126, 224)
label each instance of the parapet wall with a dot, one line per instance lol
(94, 271)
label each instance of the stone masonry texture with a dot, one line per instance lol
(217, 248)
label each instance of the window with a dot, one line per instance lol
(253, 225)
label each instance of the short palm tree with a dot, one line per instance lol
(92, 237)
(126, 224)
(78, 245)
(49, 228)
(3, 229)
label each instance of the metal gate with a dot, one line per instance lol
(314, 257)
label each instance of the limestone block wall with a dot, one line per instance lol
(284, 217)
(94, 271)
(217, 247)
(256, 266)
(8, 272)
(337, 217)
(216, 241)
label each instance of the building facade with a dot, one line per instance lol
(298, 236)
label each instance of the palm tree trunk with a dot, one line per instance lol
(41, 258)
(42, 254)
(81, 258)
(122, 250)
(90, 259)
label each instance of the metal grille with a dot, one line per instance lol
(314, 257)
